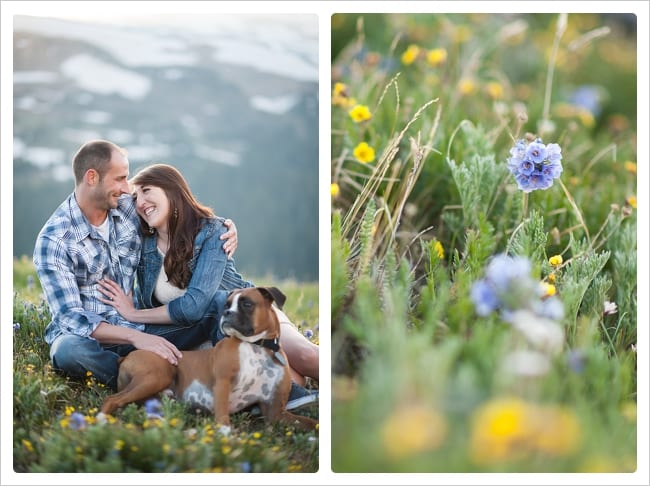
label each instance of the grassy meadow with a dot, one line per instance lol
(54, 419)
(484, 243)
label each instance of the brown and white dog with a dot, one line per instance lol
(245, 368)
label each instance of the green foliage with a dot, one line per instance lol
(45, 439)
(417, 372)
(340, 274)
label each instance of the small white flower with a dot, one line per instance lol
(609, 308)
(545, 334)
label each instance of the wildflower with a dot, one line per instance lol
(334, 189)
(507, 429)
(545, 334)
(439, 250)
(609, 308)
(413, 429)
(549, 289)
(28, 445)
(494, 90)
(466, 86)
(308, 333)
(631, 201)
(588, 98)
(153, 407)
(410, 54)
(436, 57)
(535, 165)
(508, 286)
(77, 421)
(576, 361)
(364, 153)
(340, 95)
(16, 326)
(556, 260)
(360, 113)
(630, 166)
(246, 467)
(551, 278)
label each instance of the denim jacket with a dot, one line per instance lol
(213, 276)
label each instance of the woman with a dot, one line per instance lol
(184, 273)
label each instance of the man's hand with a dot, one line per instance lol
(158, 345)
(231, 238)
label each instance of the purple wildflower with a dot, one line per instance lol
(77, 421)
(16, 326)
(309, 333)
(153, 407)
(508, 286)
(535, 165)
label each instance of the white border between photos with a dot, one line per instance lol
(324, 10)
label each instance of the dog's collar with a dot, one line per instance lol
(273, 345)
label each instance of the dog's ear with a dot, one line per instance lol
(274, 294)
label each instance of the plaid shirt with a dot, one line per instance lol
(71, 257)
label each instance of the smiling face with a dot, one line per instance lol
(106, 191)
(152, 204)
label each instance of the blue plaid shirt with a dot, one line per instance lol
(71, 257)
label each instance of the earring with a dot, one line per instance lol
(151, 230)
(175, 212)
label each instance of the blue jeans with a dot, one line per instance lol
(75, 355)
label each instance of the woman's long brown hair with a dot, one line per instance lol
(185, 214)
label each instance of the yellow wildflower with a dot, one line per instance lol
(551, 278)
(334, 189)
(439, 249)
(226, 449)
(494, 90)
(549, 289)
(360, 113)
(586, 118)
(413, 429)
(364, 153)
(556, 260)
(340, 95)
(28, 445)
(631, 201)
(436, 57)
(507, 429)
(466, 86)
(410, 54)
(630, 166)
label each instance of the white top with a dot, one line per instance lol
(164, 291)
(103, 229)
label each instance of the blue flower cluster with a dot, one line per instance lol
(508, 286)
(535, 165)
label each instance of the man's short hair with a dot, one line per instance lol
(95, 154)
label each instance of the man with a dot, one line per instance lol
(93, 234)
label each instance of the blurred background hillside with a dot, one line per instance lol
(232, 101)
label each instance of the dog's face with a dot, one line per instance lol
(249, 315)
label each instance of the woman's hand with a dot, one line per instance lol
(115, 296)
(231, 238)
